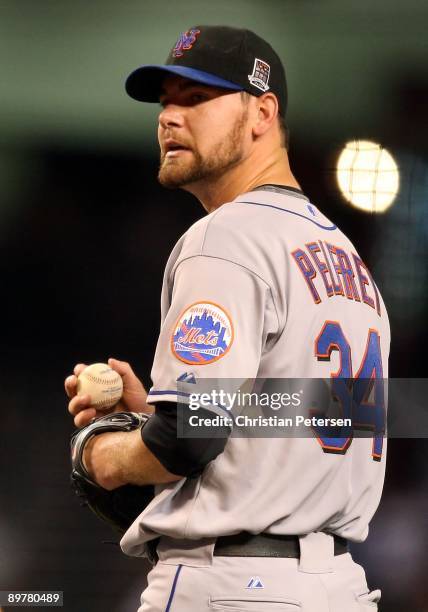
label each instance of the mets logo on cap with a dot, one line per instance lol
(202, 334)
(185, 41)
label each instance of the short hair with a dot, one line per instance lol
(283, 127)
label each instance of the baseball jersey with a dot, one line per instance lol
(267, 287)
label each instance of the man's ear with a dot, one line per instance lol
(267, 112)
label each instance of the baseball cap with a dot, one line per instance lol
(220, 56)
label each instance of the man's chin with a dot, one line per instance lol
(174, 177)
(171, 180)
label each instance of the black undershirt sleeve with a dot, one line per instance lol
(183, 456)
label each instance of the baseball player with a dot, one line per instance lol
(264, 286)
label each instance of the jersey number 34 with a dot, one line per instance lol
(362, 397)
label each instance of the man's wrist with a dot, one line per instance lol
(102, 459)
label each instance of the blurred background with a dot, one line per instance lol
(85, 232)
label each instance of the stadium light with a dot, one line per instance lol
(368, 176)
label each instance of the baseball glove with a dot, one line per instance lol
(121, 506)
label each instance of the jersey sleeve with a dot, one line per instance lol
(220, 317)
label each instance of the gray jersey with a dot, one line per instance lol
(266, 286)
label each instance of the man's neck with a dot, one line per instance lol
(245, 176)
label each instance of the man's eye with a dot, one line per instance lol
(196, 98)
(191, 98)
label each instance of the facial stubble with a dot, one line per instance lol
(222, 156)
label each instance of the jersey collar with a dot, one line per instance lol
(284, 189)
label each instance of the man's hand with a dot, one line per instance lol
(134, 398)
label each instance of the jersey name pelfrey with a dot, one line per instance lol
(331, 271)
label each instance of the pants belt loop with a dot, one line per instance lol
(316, 553)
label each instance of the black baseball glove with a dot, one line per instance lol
(121, 506)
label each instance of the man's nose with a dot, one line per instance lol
(171, 116)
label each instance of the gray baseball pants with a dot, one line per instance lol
(193, 580)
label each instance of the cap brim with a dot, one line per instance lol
(145, 83)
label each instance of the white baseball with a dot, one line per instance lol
(102, 383)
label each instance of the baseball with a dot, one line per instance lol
(103, 384)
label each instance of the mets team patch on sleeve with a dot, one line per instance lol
(203, 334)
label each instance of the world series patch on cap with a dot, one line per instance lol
(218, 56)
